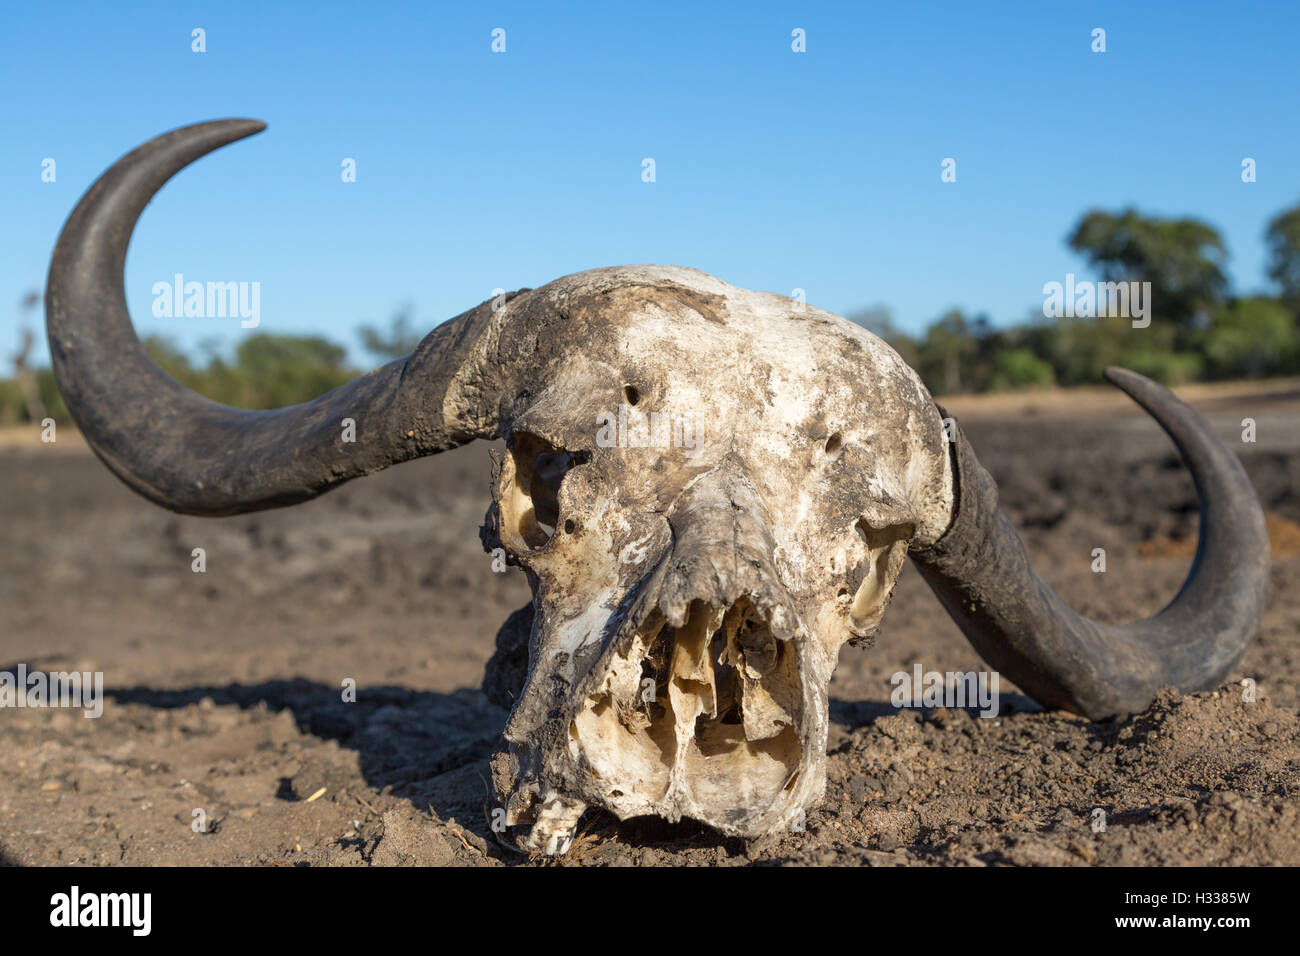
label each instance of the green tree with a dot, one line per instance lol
(946, 354)
(1181, 258)
(1251, 337)
(13, 407)
(1283, 239)
(1017, 368)
(289, 369)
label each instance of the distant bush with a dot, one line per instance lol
(1167, 368)
(50, 396)
(1250, 338)
(1195, 330)
(1245, 338)
(1078, 349)
(266, 371)
(13, 409)
(1020, 368)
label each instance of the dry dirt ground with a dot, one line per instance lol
(223, 688)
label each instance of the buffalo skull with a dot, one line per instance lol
(710, 491)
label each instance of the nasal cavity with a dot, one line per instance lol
(531, 507)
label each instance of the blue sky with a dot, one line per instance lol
(774, 170)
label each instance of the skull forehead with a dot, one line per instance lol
(705, 336)
(761, 380)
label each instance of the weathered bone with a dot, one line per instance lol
(710, 491)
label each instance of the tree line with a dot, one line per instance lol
(1197, 330)
(263, 371)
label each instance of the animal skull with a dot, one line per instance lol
(695, 471)
(710, 491)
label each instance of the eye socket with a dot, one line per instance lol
(834, 445)
(886, 548)
(631, 395)
(531, 507)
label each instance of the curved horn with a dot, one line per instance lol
(981, 574)
(193, 455)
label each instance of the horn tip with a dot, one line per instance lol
(243, 125)
(1132, 383)
(225, 130)
(1117, 375)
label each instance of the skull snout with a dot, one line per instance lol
(701, 720)
(723, 552)
(702, 701)
(701, 711)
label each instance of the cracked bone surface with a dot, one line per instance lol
(710, 490)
